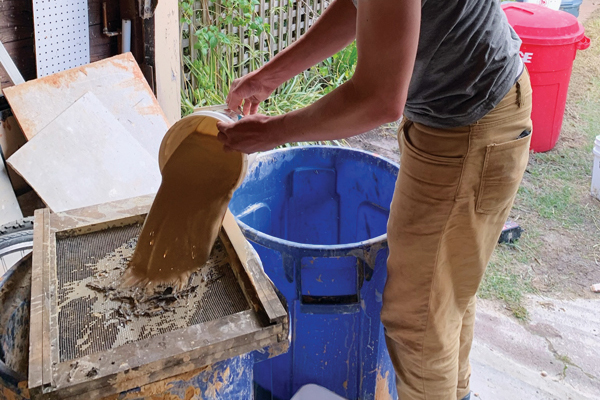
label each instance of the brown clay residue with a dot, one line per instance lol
(186, 376)
(382, 385)
(183, 223)
(162, 390)
(152, 109)
(6, 393)
(219, 379)
(135, 302)
(124, 62)
(64, 79)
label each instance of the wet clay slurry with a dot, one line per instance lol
(198, 181)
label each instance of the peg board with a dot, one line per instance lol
(62, 39)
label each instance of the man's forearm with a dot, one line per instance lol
(343, 113)
(377, 92)
(333, 30)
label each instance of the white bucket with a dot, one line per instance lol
(315, 392)
(552, 4)
(596, 169)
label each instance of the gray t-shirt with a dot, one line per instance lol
(467, 61)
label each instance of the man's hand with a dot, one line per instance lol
(251, 134)
(332, 31)
(249, 91)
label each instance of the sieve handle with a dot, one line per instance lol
(338, 304)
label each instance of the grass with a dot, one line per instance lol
(554, 201)
(508, 278)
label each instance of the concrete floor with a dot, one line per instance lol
(587, 8)
(556, 355)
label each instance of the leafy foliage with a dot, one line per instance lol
(220, 34)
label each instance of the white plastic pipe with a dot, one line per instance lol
(126, 36)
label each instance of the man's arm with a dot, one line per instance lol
(387, 38)
(333, 30)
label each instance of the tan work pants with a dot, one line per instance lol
(454, 192)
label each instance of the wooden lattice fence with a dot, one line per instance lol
(287, 21)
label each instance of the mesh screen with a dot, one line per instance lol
(90, 321)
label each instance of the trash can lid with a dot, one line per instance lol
(536, 24)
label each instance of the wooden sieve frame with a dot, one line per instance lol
(265, 325)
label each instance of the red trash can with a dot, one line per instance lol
(550, 40)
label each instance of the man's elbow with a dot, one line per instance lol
(388, 110)
(383, 104)
(392, 113)
(389, 103)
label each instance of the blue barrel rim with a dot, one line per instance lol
(316, 250)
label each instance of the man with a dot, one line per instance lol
(452, 68)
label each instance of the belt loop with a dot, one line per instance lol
(519, 97)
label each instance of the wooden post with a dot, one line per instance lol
(167, 60)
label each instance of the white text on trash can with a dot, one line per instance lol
(526, 57)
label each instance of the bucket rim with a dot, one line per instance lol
(325, 147)
(329, 250)
(322, 250)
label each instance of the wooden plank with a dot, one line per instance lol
(91, 157)
(11, 135)
(119, 84)
(46, 362)
(113, 13)
(165, 356)
(37, 303)
(11, 139)
(16, 20)
(248, 258)
(168, 62)
(102, 46)
(51, 348)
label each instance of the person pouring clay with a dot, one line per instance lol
(451, 68)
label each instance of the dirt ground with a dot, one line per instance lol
(382, 141)
(555, 205)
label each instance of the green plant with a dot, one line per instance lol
(217, 56)
(208, 60)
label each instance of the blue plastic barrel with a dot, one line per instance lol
(317, 217)
(225, 380)
(571, 6)
(15, 293)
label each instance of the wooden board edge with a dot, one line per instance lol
(251, 263)
(114, 376)
(36, 314)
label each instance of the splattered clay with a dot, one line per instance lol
(198, 181)
(96, 314)
(135, 301)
